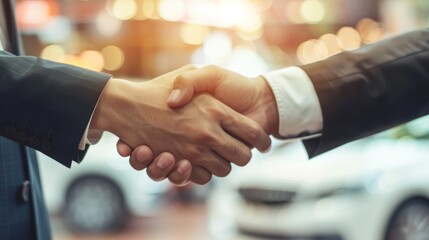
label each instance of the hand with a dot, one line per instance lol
(252, 97)
(200, 131)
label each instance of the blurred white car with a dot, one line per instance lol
(98, 194)
(368, 190)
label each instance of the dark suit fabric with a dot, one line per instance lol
(46, 106)
(372, 89)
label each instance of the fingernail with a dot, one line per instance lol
(141, 156)
(183, 168)
(174, 96)
(267, 150)
(164, 162)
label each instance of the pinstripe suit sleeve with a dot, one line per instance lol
(371, 89)
(47, 105)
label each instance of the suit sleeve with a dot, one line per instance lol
(371, 89)
(47, 105)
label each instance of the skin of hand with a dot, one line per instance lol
(200, 132)
(252, 97)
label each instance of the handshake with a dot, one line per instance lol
(189, 124)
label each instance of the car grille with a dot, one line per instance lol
(265, 196)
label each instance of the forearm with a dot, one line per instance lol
(48, 104)
(372, 89)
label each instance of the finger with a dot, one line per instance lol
(200, 175)
(232, 150)
(181, 173)
(162, 166)
(123, 149)
(246, 130)
(188, 83)
(141, 157)
(213, 162)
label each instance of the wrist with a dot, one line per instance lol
(104, 114)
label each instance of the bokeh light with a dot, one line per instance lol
(250, 36)
(34, 13)
(369, 30)
(53, 52)
(312, 11)
(194, 34)
(332, 43)
(113, 58)
(349, 37)
(293, 12)
(172, 10)
(124, 9)
(217, 47)
(107, 25)
(92, 60)
(251, 18)
(312, 51)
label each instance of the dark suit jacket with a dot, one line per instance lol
(46, 106)
(371, 89)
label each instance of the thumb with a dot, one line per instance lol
(188, 83)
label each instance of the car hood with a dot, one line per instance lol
(289, 168)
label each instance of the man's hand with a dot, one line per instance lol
(251, 97)
(200, 132)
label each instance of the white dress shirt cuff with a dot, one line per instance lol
(300, 114)
(90, 136)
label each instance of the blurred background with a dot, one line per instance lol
(376, 188)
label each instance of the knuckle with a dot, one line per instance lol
(193, 153)
(189, 67)
(206, 136)
(253, 132)
(246, 156)
(212, 67)
(181, 79)
(224, 170)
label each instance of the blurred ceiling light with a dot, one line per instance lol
(312, 11)
(107, 25)
(332, 43)
(246, 61)
(251, 20)
(92, 60)
(124, 9)
(113, 58)
(293, 13)
(349, 38)
(194, 34)
(230, 13)
(250, 36)
(369, 30)
(203, 12)
(312, 51)
(172, 10)
(35, 13)
(217, 47)
(52, 52)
